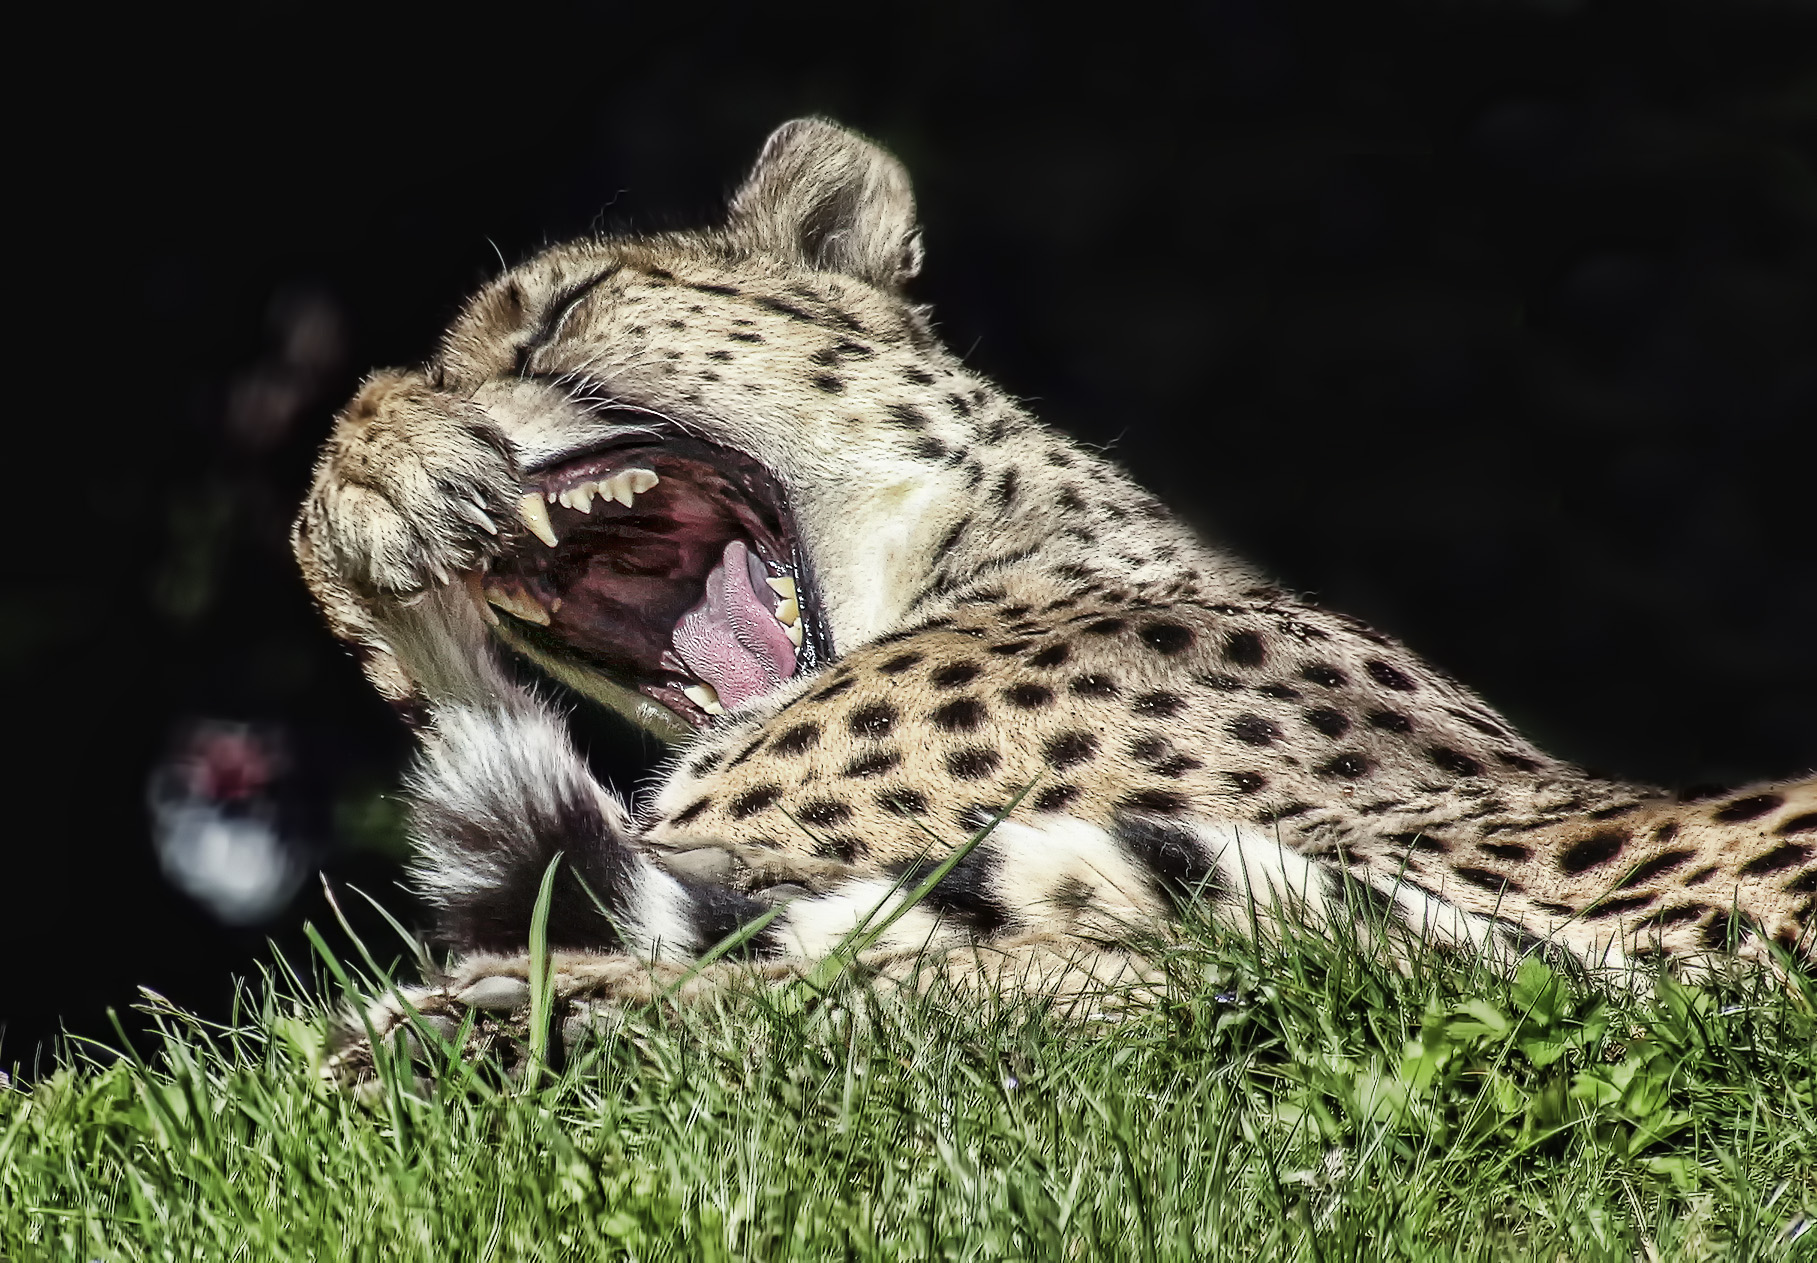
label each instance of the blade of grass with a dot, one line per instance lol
(542, 983)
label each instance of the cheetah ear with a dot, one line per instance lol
(825, 196)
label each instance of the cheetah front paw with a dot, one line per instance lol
(415, 487)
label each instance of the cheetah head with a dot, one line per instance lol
(732, 453)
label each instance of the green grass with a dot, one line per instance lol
(1292, 1101)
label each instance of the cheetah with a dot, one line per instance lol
(728, 484)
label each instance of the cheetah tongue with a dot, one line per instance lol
(731, 640)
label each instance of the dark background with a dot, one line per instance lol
(1494, 324)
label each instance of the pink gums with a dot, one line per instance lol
(731, 640)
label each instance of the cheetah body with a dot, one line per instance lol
(1001, 626)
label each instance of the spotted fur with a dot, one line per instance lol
(1013, 623)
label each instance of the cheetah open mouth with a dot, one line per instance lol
(669, 570)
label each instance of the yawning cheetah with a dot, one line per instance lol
(729, 484)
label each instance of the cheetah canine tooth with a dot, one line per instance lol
(536, 516)
(704, 696)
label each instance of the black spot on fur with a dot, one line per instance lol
(1095, 685)
(964, 894)
(1069, 748)
(746, 337)
(832, 690)
(1520, 761)
(1723, 932)
(900, 663)
(1219, 681)
(1104, 627)
(1776, 860)
(973, 763)
(1055, 797)
(1488, 880)
(1029, 696)
(1390, 721)
(927, 447)
(1178, 766)
(719, 356)
(1148, 749)
(1421, 842)
(797, 740)
(1598, 848)
(1275, 815)
(1166, 638)
(903, 802)
(846, 349)
(954, 674)
(1349, 765)
(1747, 808)
(1174, 857)
(753, 800)
(692, 811)
(873, 720)
(1616, 907)
(872, 764)
(1280, 692)
(823, 811)
(1004, 493)
(779, 307)
(1333, 723)
(1052, 656)
(1654, 867)
(1512, 851)
(745, 753)
(1245, 782)
(1158, 704)
(843, 847)
(962, 715)
(1477, 722)
(1454, 761)
(1803, 884)
(1387, 676)
(1807, 823)
(1665, 918)
(831, 383)
(1323, 673)
(706, 762)
(1253, 729)
(1159, 802)
(1245, 649)
(905, 415)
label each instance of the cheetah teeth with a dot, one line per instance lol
(624, 486)
(517, 603)
(788, 612)
(704, 696)
(536, 517)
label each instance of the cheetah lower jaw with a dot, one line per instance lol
(733, 641)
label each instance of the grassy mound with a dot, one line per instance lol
(1291, 1101)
